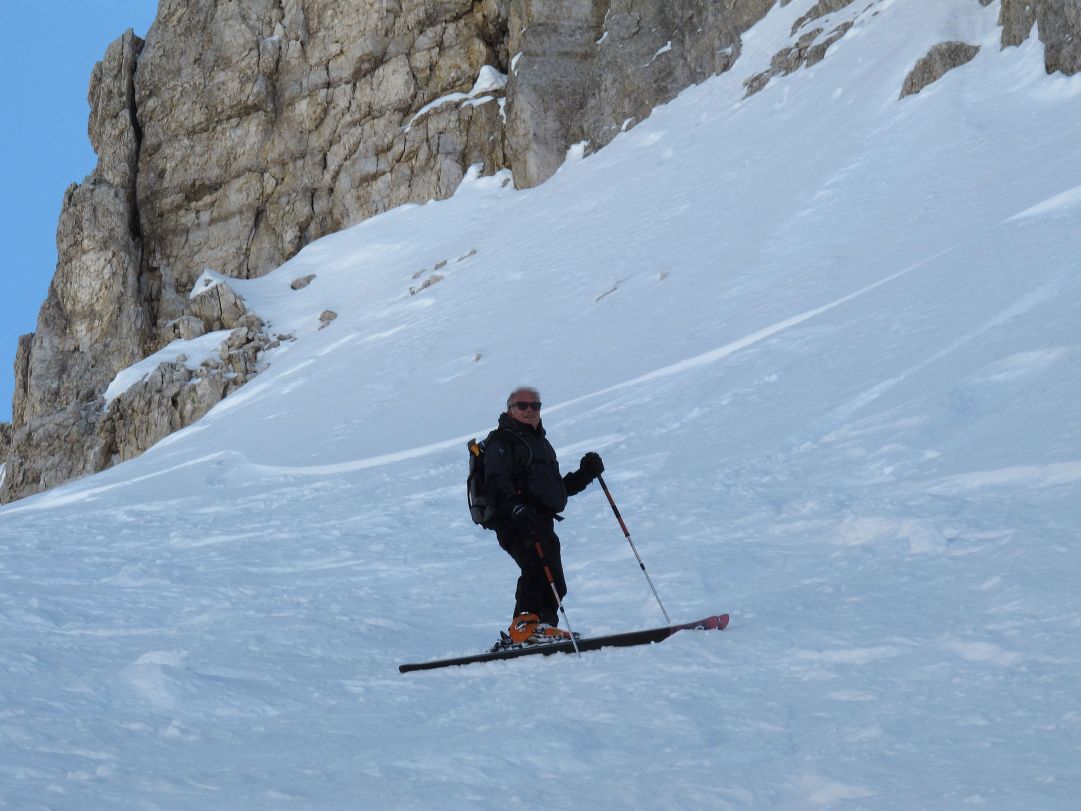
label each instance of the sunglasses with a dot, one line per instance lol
(525, 406)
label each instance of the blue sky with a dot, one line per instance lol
(48, 54)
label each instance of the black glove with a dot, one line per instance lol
(591, 465)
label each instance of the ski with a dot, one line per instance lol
(715, 623)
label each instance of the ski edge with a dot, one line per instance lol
(717, 622)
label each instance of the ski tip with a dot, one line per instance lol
(722, 622)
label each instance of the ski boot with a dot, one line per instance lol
(527, 629)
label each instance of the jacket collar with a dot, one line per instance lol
(508, 422)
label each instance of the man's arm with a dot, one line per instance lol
(589, 469)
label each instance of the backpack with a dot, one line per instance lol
(481, 506)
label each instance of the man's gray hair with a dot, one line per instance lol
(522, 390)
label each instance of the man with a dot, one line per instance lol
(523, 481)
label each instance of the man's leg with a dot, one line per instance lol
(534, 592)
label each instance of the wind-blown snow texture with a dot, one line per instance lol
(827, 343)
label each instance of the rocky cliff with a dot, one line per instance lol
(1059, 23)
(238, 132)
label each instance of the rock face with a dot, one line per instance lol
(94, 320)
(268, 124)
(810, 46)
(941, 59)
(238, 132)
(582, 70)
(1060, 29)
(174, 396)
(808, 50)
(171, 398)
(53, 448)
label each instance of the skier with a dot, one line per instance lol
(523, 481)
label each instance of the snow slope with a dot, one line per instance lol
(827, 344)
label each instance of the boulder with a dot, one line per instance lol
(183, 329)
(218, 307)
(942, 58)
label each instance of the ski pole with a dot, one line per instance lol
(555, 593)
(627, 535)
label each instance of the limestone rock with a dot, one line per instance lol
(818, 11)
(807, 51)
(94, 320)
(326, 317)
(581, 70)
(184, 329)
(20, 396)
(1060, 30)
(435, 278)
(941, 59)
(5, 441)
(267, 125)
(51, 449)
(551, 79)
(154, 408)
(218, 307)
(302, 282)
(174, 396)
(96, 317)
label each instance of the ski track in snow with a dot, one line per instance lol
(681, 367)
(1053, 475)
(1059, 204)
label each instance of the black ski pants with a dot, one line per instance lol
(534, 593)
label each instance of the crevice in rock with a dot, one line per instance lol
(494, 36)
(149, 283)
(135, 225)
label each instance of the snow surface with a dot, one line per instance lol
(835, 380)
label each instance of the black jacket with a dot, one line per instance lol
(512, 479)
